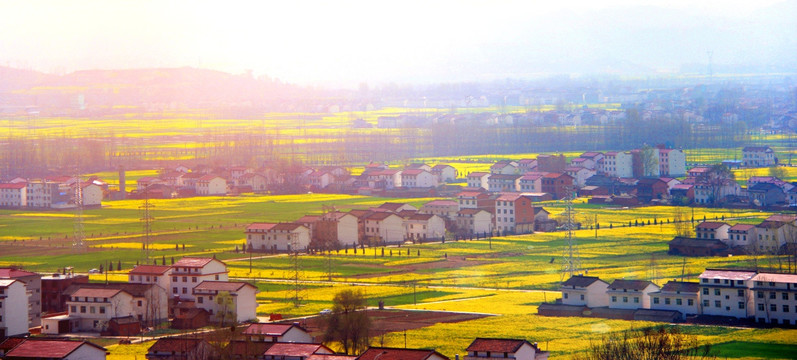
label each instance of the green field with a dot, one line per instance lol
(506, 276)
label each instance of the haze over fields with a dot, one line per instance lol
(344, 43)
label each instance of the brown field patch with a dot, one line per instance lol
(391, 320)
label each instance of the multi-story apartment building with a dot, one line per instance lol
(618, 164)
(775, 298)
(630, 294)
(589, 291)
(726, 292)
(758, 156)
(514, 212)
(13, 308)
(33, 284)
(680, 296)
(14, 195)
(189, 272)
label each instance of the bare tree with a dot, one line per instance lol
(666, 343)
(683, 227)
(716, 179)
(349, 324)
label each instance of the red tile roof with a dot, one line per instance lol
(150, 269)
(413, 172)
(209, 177)
(10, 343)
(741, 227)
(330, 357)
(193, 262)
(287, 226)
(296, 349)
(13, 186)
(442, 203)
(15, 273)
(496, 345)
(375, 353)
(391, 206)
(94, 292)
(729, 274)
(42, 349)
(270, 329)
(630, 284)
(581, 281)
(711, 225)
(378, 216)
(176, 345)
(260, 226)
(477, 174)
(221, 286)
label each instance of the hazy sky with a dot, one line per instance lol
(346, 42)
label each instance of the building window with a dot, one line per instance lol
(185, 291)
(614, 298)
(773, 307)
(741, 304)
(705, 290)
(82, 309)
(760, 294)
(772, 295)
(760, 307)
(565, 295)
(140, 303)
(717, 292)
(655, 300)
(690, 302)
(102, 309)
(785, 308)
(582, 296)
(667, 301)
(193, 279)
(92, 310)
(625, 299)
(740, 293)
(200, 299)
(717, 303)
(678, 301)
(785, 296)
(174, 290)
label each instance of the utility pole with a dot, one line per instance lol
(571, 262)
(78, 243)
(147, 219)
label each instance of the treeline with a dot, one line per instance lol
(633, 132)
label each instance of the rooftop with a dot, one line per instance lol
(43, 349)
(497, 345)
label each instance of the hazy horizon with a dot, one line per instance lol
(349, 42)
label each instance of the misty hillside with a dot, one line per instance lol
(148, 89)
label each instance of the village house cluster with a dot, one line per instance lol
(291, 341)
(56, 192)
(777, 234)
(193, 292)
(747, 295)
(473, 213)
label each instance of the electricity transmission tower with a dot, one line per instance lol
(571, 262)
(146, 218)
(79, 237)
(296, 272)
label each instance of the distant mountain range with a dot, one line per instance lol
(149, 89)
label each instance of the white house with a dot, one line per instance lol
(772, 235)
(475, 221)
(189, 272)
(338, 227)
(13, 308)
(579, 175)
(277, 237)
(503, 183)
(424, 226)
(726, 292)
(257, 182)
(272, 332)
(384, 228)
(211, 185)
(758, 156)
(320, 179)
(90, 309)
(151, 274)
(630, 294)
(442, 208)
(531, 183)
(505, 167)
(518, 349)
(712, 230)
(680, 296)
(478, 180)
(618, 164)
(14, 195)
(92, 194)
(588, 291)
(417, 178)
(241, 303)
(741, 235)
(672, 162)
(33, 348)
(711, 194)
(444, 173)
(775, 298)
